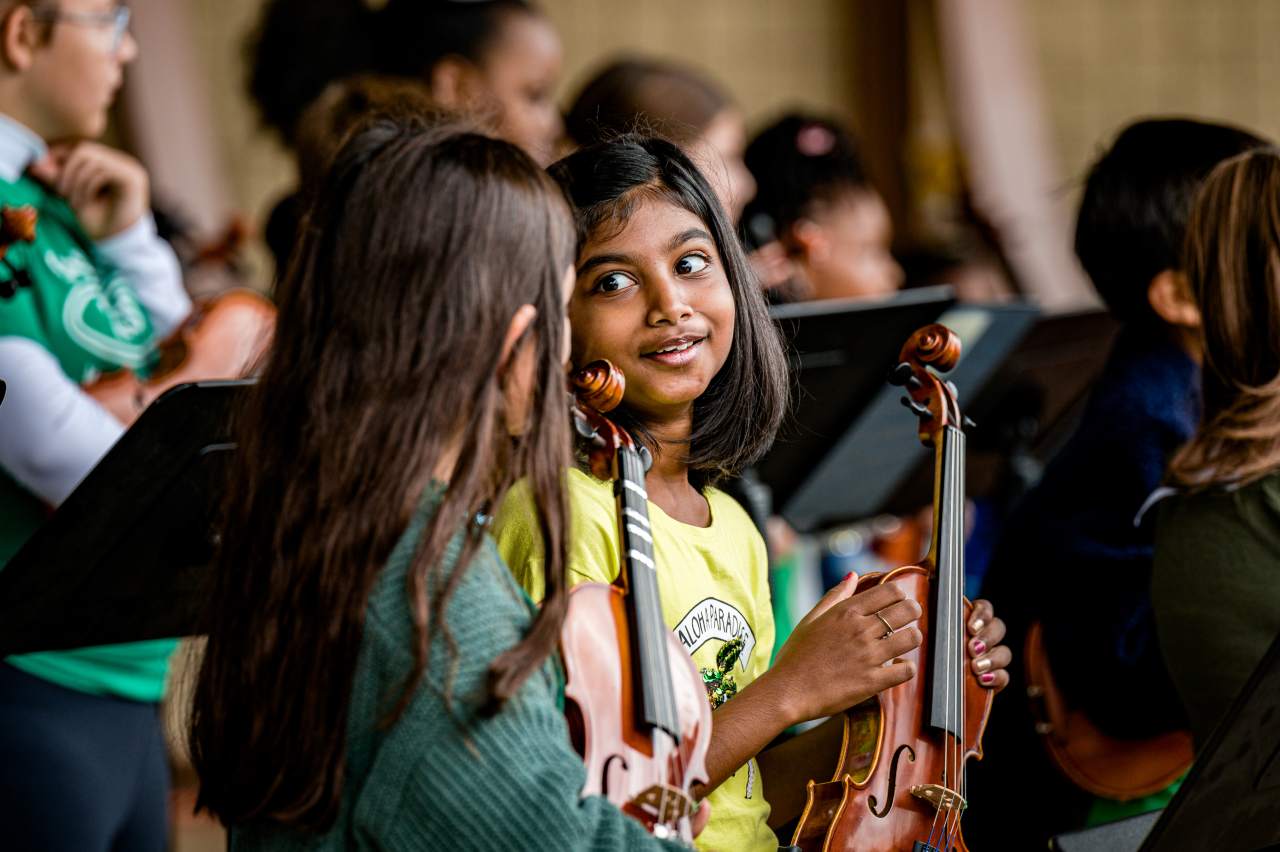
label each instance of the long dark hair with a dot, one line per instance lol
(1233, 263)
(736, 418)
(422, 246)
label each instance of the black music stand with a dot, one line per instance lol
(123, 558)
(1025, 411)
(851, 447)
(841, 351)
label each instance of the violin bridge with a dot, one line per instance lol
(664, 804)
(942, 798)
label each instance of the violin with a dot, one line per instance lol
(636, 705)
(221, 339)
(900, 778)
(1100, 764)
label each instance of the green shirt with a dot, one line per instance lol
(1216, 592)
(87, 316)
(458, 781)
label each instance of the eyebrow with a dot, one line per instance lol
(603, 259)
(685, 236)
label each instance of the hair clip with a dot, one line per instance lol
(815, 140)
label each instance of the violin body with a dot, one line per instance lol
(1095, 762)
(221, 339)
(876, 800)
(623, 763)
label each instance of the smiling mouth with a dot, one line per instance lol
(676, 352)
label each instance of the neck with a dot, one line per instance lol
(668, 479)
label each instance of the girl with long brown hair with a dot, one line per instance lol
(373, 677)
(1215, 589)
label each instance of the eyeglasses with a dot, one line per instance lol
(117, 18)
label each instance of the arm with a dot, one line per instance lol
(152, 269)
(835, 658)
(51, 432)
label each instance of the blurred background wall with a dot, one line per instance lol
(1095, 64)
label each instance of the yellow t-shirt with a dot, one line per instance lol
(714, 586)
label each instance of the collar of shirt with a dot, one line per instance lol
(19, 148)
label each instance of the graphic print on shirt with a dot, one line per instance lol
(107, 321)
(711, 618)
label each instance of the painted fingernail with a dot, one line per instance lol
(981, 665)
(987, 678)
(846, 577)
(979, 647)
(976, 625)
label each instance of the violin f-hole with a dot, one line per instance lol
(893, 782)
(604, 774)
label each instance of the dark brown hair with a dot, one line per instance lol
(422, 246)
(736, 418)
(645, 96)
(1233, 263)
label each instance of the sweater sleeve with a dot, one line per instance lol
(448, 776)
(511, 786)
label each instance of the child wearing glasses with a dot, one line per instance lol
(82, 760)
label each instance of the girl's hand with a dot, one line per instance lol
(990, 658)
(836, 656)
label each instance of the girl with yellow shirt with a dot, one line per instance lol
(664, 292)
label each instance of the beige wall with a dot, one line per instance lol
(770, 54)
(1105, 62)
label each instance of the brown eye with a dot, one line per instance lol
(614, 282)
(691, 264)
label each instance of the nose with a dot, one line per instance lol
(128, 50)
(668, 302)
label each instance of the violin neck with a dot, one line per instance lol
(947, 632)
(657, 705)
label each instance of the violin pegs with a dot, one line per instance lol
(968, 423)
(921, 410)
(646, 457)
(901, 374)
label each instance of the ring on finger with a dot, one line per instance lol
(888, 628)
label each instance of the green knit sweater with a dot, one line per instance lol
(1216, 592)
(461, 782)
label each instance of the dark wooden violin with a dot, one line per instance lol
(900, 778)
(638, 712)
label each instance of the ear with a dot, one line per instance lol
(19, 38)
(516, 372)
(1169, 295)
(453, 83)
(520, 322)
(810, 240)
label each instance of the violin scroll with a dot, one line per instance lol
(599, 385)
(597, 388)
(931, 399)
(17, 225)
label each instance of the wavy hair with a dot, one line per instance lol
(422, 246)
(1233, 263)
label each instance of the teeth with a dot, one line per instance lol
(680, 348)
